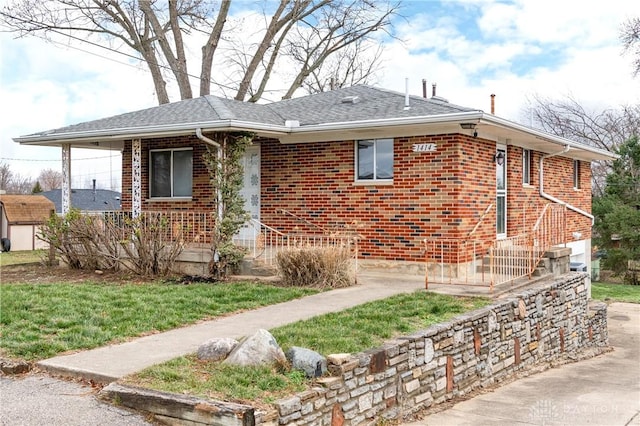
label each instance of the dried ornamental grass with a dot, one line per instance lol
(318, 267)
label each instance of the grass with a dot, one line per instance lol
(188, 375)
(615, 292)
(21, 257)
(38, 321)
(353, 330)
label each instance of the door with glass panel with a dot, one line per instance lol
(501, 191)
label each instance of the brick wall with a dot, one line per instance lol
(451, 359)
(439, 193)
(433, 194)
(525, 203)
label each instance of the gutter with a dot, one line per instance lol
(289, 131)
(551, 197)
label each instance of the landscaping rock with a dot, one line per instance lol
(311, 362)
(259, 349)
(216, 349)
(10, 367)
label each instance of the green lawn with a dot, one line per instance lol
(38, 321)
(21, 257)
(615, 292)
(353, 330)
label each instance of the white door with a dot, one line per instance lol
(251, 189)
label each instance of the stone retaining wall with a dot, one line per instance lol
(451, 359)
(410, 373)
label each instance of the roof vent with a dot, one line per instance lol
(350, 100)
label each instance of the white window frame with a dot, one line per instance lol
(526, 167)
(501, 194)
(375, 159)
(576, 174)
(171, 196)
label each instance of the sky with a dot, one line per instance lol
(515, 49)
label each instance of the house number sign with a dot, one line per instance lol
(424, 147)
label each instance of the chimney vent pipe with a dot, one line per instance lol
(424, 88)
(493, 103)
(433, 89)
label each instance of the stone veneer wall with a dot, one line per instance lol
(451, 359)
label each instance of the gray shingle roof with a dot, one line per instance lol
(370, 104)
(86, 200)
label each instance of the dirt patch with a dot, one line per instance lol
(36, 273)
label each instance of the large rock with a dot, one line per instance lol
(311, 362)
(259, 349)
(216, 349)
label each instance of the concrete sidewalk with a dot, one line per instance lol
(109, 363)
(604, 390)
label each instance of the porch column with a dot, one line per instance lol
(136, 177)
(66, 178)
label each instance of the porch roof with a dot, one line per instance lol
(357, 112)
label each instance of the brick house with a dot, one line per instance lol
(405, 168)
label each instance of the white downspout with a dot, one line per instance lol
(219, 152)
(551, 197)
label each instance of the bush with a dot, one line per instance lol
(147, 245)
(316, 267)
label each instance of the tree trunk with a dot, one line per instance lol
(209, 49)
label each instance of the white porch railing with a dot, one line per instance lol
(194, 227)
(263, 242)
(488, 263)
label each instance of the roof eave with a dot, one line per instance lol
(87, 137)
(594, 153)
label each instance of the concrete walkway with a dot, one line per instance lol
(109, 363)
(604, 390)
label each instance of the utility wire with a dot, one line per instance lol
(37, 159)
(128, 55)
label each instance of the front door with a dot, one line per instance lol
(251, 189)
(501, 191)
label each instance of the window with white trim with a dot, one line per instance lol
(576, 174)
(526, 167)
(374, 160)
(170, 173)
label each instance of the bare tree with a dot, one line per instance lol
(5, 175)
(630, 37)
(301, 34)
(50, 179)
(14, 183)
(607, 129)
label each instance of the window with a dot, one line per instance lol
(171, 172)
(374, 159)
(576, 174)
(526, 167)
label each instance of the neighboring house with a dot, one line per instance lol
(21, 217)
(405, 168)
(87, 200)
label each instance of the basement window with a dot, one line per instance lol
(374, 160)
(170, 173)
